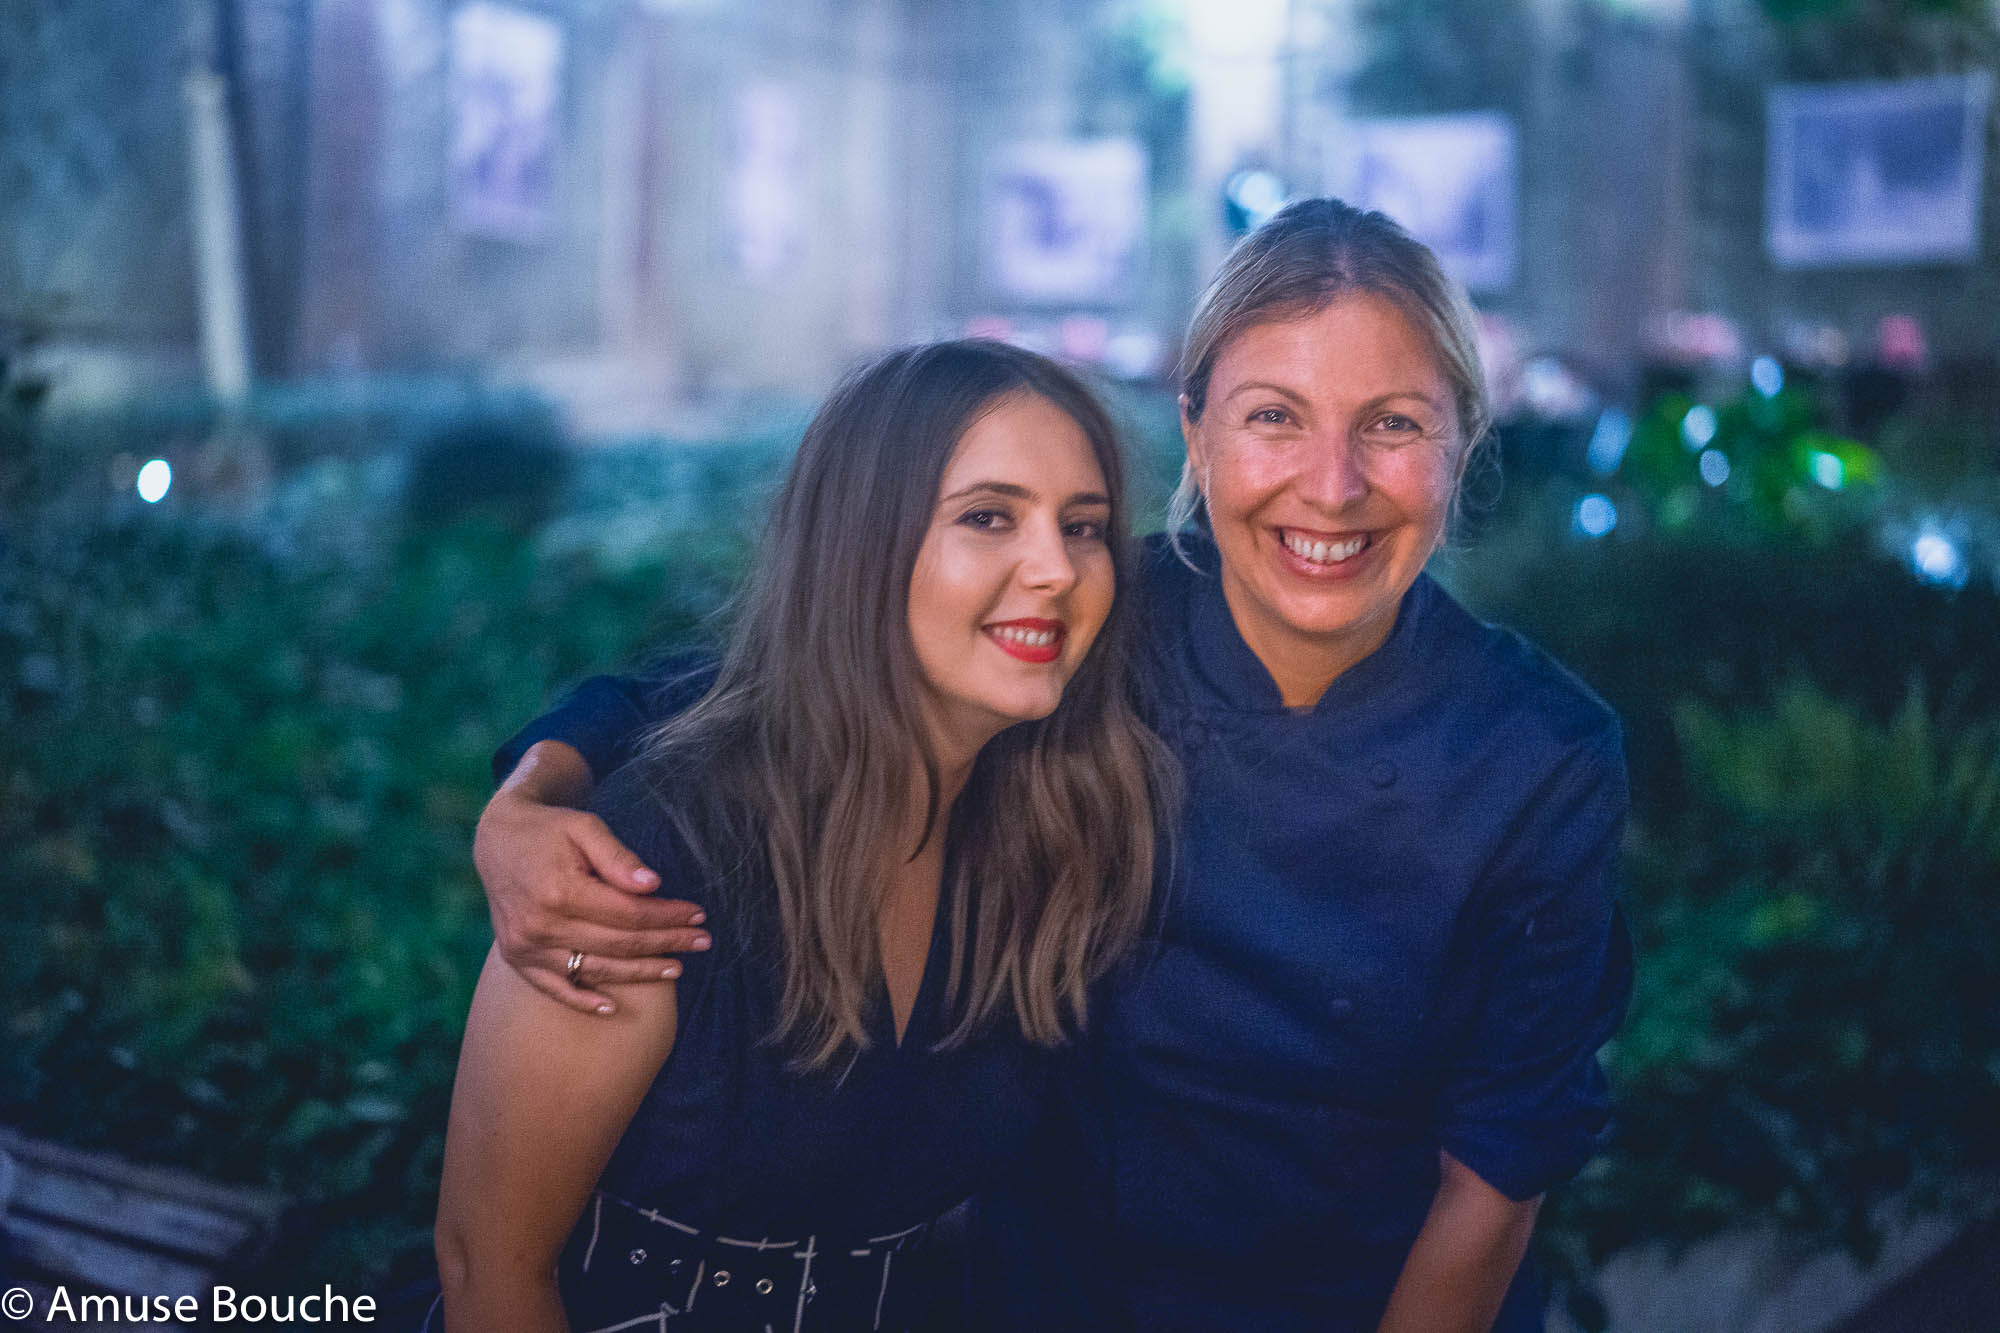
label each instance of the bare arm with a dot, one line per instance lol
(1464, 1258)
(557, 880)
(542, 1097)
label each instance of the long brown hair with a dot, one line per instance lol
(797, 770)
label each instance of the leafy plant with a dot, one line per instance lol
(1765, 459)
(1816, 1030)
(239, 786)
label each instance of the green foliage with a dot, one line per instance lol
(1147, 43)
(508, 467)
(244, 763)
(1786, 474)
(1817, 1028)
(1881, 11)
(1813, 876)
(239, 789)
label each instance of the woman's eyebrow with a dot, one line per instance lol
(1006, 488)
(1018, 492)
(1382, 399)
(1264, 386)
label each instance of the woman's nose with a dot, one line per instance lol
(1333, 473)
(1046, 563)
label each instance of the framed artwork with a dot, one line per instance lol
(1449, 179)
(765, 190)
(1065, 221)
(506, 71)
(1876, 173)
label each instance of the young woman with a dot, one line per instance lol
(1363, 1042)
(918, 805)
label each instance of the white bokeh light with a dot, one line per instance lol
(1767, 376)
(154, 479)
(1609, 441)
(1937, 559)
(1698, 427)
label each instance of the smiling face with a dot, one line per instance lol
(1014, 578)
(1329, 450)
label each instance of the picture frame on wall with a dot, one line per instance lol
(1065, 221)
(506, 85)
(764, 190)
(1882, 173)
(1451, 180)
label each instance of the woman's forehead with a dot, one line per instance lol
(1355, 338)
(1024, 440)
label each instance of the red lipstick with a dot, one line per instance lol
(1029, 639)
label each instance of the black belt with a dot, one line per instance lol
(629, 1268)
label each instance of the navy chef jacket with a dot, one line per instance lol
(1390, 930)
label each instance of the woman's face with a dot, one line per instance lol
(1329, 452)
(1014, 578)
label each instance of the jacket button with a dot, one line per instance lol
(636, 1257)
(763, 1286)
(721, 1277)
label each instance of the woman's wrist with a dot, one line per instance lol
(551, 772)
(529, 1305)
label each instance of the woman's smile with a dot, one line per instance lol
(1030, 639)
(1319, 555)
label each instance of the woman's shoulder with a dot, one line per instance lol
(641, 812)
(1502, 674)
(674, 819)
(1169, 561)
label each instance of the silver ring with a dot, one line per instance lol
(574, 967)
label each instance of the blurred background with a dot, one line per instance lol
(371, 368)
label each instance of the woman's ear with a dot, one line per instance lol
(1197, 465)
(1465, 452)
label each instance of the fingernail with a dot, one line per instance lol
(697, 918)
(644, 876)
(670, 971)
(604, 1008)
(701, 941)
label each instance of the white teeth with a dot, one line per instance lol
(1028, 638)
(1323, 553)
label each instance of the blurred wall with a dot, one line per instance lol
(746, 197)
(386, 280)
(94, 245)
(1733, 57)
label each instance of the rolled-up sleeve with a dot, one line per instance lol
(1525, 1103)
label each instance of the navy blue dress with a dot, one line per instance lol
(1390, 931)
(748, 1196)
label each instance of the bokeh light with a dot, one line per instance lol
(154, 479)
(1596, 515)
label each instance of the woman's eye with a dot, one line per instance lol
(1085, 529)
(1399, 423)
(986, 520)
(1269, 416)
